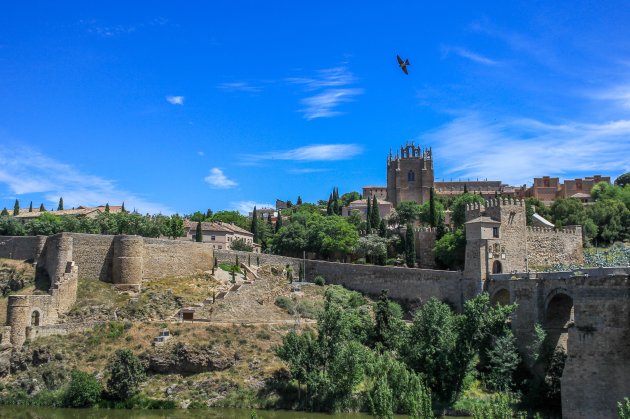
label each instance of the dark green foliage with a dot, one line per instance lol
(198, 233)
(432, 213)
(382, 229)
(535, 205)
(60, 206)
(299, 201)
(84, 390)
(389, 328)
(122, 208)
(368, 217)
(16, 208)
(465, 188)
(407, 212)
(450, 250)
(502, 361)
(375, 217)
(410, 247)
(175, 226)
(125, 375)
(232, 217)
(254, 226)
(4, 212)
(319, 280)
(623, 180)
(623, 408)
(30, 207)
(11, 227)
(349, 197)
(107, 207)
(459, 207)
(42, 208)
(278, 222)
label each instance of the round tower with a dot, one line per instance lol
(18, 312)
(128, 262)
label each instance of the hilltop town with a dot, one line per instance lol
(209, 294)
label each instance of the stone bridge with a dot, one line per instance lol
(588, 314)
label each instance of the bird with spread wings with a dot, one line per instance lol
(403, 64)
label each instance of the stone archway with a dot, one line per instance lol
(35, 318)
(501, 297)
(559, 316)
(497, 268)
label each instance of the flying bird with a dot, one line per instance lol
(403, 64)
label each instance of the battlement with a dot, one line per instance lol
(428, 229)
(573, 230)
(495, 203)
(410, 151)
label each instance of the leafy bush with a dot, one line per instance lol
(623, 408)
(228, 267)
(239, 244)
(126, 374)
(285, 303)
(84, 390)
(319, 280)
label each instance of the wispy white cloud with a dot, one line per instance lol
(517, 150)
(240, 86)
(315, 152)
(218, 180)
(27, 171)
(331, 89)
(245, 207)
(619, 94)
(112, 31)
(464, 53)
(201, 153)
(323, 105)
(175, 100)
(306, 171)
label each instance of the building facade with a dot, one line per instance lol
(220, 235)
(409, 175)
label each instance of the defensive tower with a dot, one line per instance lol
(409, 174)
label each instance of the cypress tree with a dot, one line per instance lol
(60, 206)
(335, 207)
(107, 207)
(30, 207)
(4, 212)
(410, 247)
(41, 208)
(278, 222)
(465, 188)
(376, 217)
(198, 233)
(16, 208)
(122, 209)
(432, 207)
(208, 214)
(299, 200)
(368, 217)
(270, 222)
(440, 228)
(255, 226)
(329, 206)
(382, 228)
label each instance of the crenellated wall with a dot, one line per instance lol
(548, 246)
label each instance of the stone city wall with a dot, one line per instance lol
(425, 242)
(229, 256)
(164, 258)
(21, 248)
(547, 246)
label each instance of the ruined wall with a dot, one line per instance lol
(425, 242)
(547, 246)
(21, 248)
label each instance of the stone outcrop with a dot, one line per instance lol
(187, 359)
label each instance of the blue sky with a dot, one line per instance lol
(188, 106)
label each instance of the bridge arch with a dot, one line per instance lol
(559, 316)
(501, 297)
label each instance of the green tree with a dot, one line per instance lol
(107, 207)
(198, 233)
(349, 197)
(373, 248)
(465, 188)
(368, 217)
(176, 226)
(122, 208)
(450, 249)
(4, 212)
(332, 235)
(30, 207)
(382, 399)
(612, 219)
(375, 216)
(278, 222)
(432, 213)
(535, 205)
(299, 200)
(42, 208)
(232, 217)
(10, 226)
(197, 216)
(16, 208)
(60, 206)
(291, 239)
(208, 215)
(46, 224)
(623, 408)
(84, 390)
(459, 207)
(502, 359)
(336, 207)
(125, 375)
(389, 327)
(254, 226)
(407, 212)
(382, 229)
(623, 180)
(410, 247)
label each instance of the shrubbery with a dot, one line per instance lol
(84, 390)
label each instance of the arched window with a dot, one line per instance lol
(496, 267)
(411, 176)
(35, 318)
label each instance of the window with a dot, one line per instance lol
(35, 318)
(220, 247)
(411, 176)
(495, 232)
(213, 237)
